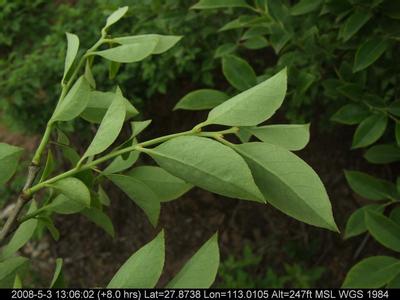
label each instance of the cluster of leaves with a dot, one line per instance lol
(263, 171)
(31, 51)
(237, 273)
(337, 53)
(323, 44)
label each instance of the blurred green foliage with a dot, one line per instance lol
(32, 49)
(241, 272)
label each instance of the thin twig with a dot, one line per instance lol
(32, 172)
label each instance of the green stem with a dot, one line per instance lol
(138, 147)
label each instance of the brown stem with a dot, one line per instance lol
(32, 172)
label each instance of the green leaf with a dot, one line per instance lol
(277, 10)
(383, 154)
(21, 236)
(356, 222)
(115, 17)
(305, 7)
(89, 75)
(100, 219)
(49, 224)
(163, 42)
(143, 268)
(49, 166)
(200, 271)
(64, 205)
(139, 193)
(238, 72)
(109, 129)
(369, 131)
(207, 164)
(225, 49)
(397, 133)
(99, 103)
(211, 4)
(394, 283)
(166, 186)
(138, 127)
(9, 266)
(17, 282)
(384, 230)
(128, 53)
(9, 157)
(58, 277)
(350, 114)
(372, 272)
(291, 137)
(353, 24)
(201, 99)
(289, 184)
(368, 186)
(120, 163)
(395, 215)
(72, 51)
(253, 106)
(103, 197)
(255, 43)
(74, 102)
(369, 52)
(73, 189)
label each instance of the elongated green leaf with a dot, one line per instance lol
(372, 272)
(49, 224)
(9, 157)
(73, 189)
(100, 219)
(395, 215)
(253, 106)
(49, 166)
(211, 4)
(21, 236)
(201, 99)
(305, 7)
(58, 277)
(99, 103)
(383, 154)
(225, 49)
(163, 42)
(143, 268)
(255, 43)
(369, 52)
(350, 114)
(289, 184)
(17, 282)
(128, 53)
(65, 206)
(72, 51)
(356, 223)
(207, 164)
(200, 271)
(115, 16)
(89, 75)
(397, 133)
(353, 24)
(369, 131)
(74, 102)
(384, 230)
(139, 193)
(368, 186)
(166, 186)
(8, 266)
(103, 197)
(109, 129)
(120, 164)
(291, 137)
(238, 72)
(138, 127)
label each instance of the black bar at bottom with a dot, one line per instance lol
(149, 294)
